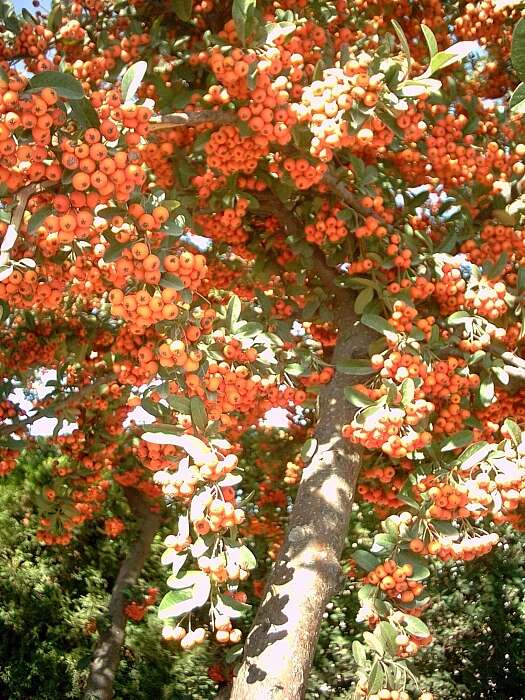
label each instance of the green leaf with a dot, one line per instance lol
(54, 18)
(177, 561)
(408, 391)
(9, 240)
(501, 374)
(131, 80)
(404, 43)
(364, 298)
(374, 643)
(453, 54)
(64, 83)
(367, 593)
(514, 430)
(38, 218)
(458, 317)
(5, 271)
(359, 653)
(114, 252)
(249, 330)
(233, 311)
(180, 404)
(191, 591)
(355, 367)
(492, 271)
(84, 113)
(183, 9)
(486, 390)
(377, 323)
(243, 13)
(444, 527)
(170, 435)
(430, 39)
(517, 99)
(474, 455)
(416, 626)
(517, 53)
(151, 407)
(384, 542)
(246, 559)
(10, 20)
(521, 279)
(4, 310)
(356, 398)
(171, 604)
(109, 212)
(421, 571)
(226, 605)
(387, 634)
(199, 417)
(28, 16)
(171, 281)
(364, 559)
(375, 678)
(279, 29)
(418, 86)
(308, 449)
(459, 439)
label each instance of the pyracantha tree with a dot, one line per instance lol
(214, 209)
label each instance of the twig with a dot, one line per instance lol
(168, 121)
(322, 269)
(339, 188)
(8, 428)
(23, 196)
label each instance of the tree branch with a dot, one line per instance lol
(280, 647)
(327, 274)
(9, 428)
(348, 197)
(23, 196)
(106, 654)
(168, 121)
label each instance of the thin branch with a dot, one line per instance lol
(168, 121)
(294, 226)
(106, 655)
(23, 196)
(339, 188)
(10, 428)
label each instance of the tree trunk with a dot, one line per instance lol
(106, 654)
(280, 647)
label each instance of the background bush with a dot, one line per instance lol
(52, 599)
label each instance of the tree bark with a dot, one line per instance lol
(280, 647)
(106, 655)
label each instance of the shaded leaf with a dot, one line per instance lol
(183, 9)
(364, 559)
(459, 439)
(199, 417)
(64, 83)
(517, 53)
(359, 653)
(356, 398)
(226, 605)
(375, 678)
(416, 626)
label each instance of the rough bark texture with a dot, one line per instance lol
(280, 646)
(106, 654)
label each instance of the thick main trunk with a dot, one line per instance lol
(106, 655)
(280, 647)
